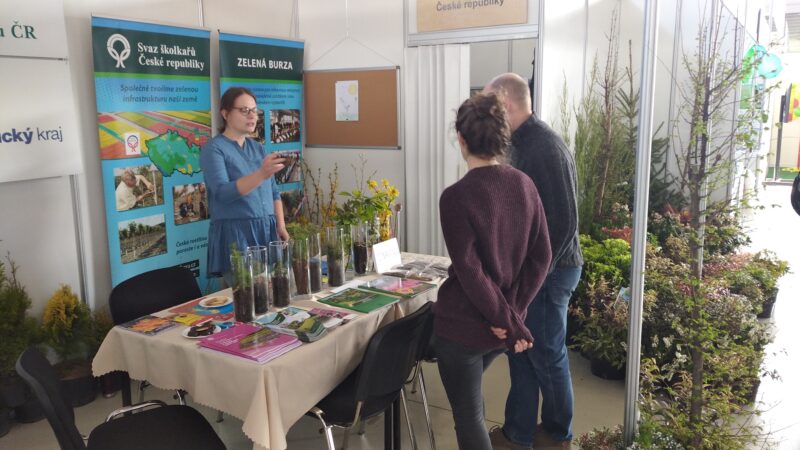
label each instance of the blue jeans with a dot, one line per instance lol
(545, 367)
(461, 369)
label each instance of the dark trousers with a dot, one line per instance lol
(461, 369)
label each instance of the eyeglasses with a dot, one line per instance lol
(246, 111)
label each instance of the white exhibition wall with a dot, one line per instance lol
(352, 34)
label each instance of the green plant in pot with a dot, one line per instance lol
(68, 329)
(18, 331)
(604, 336)
(767, 268)
(102, 323)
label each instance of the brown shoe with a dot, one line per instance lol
(500, 441)
(543, 441)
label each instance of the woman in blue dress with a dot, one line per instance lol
(244, 203)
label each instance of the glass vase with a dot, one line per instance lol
(242, 286)
(258, 259)
(315, 262)
(362, 247)
(300, 266)
(279, 264)
(335, 249)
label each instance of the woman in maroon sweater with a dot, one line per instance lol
(496, 234)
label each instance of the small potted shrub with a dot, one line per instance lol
(67, 329)
(767, 269)
(604, 336)
(18, 331)
(102, 323)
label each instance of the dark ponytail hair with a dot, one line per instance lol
(229, 99)
(482, 123)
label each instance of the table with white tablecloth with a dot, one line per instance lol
(269, 398)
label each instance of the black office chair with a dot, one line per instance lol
(425, 353)
(145, 294)
(374, 386)
(162, 428)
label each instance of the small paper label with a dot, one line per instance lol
(386, 255)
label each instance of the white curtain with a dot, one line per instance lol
(436, 82)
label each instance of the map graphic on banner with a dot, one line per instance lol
(273, 70)
(153, 115)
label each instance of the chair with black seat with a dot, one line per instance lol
(425, 353)
(145, 294)
(374, 386)
(164, 427)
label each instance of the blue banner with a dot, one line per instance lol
(273, 70)
(153, 114)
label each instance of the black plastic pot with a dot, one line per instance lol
(79, 390)
(769, 304)
(603, 369)
(110, 383)
(29, 412)
(12, 392)
(5, 421)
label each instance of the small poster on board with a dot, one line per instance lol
(347, 101)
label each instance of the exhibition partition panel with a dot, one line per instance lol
(153, 114)
(273, 70)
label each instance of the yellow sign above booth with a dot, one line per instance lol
(440, 15)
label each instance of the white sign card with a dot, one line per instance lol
(386, 255)
(347, 101)
(33, 28)
(38, 130)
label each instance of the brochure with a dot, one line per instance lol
(308, 325)
(189, 318)
(403, 287)
(251, 342)
(431, 272)
(149, 325)
(358, 300)
(220, 314)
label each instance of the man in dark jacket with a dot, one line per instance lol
(542, 155)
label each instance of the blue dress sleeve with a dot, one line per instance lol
(215, 172)
(275, 194)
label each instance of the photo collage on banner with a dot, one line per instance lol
(273, 70)
(153, 114)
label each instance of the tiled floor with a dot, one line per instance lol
(598, 402)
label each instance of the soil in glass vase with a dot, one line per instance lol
(280, 288)
(360, 257)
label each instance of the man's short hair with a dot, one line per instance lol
(513, 87)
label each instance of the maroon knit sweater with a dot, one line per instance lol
(496, 233)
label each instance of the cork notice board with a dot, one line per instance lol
(377, 124)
